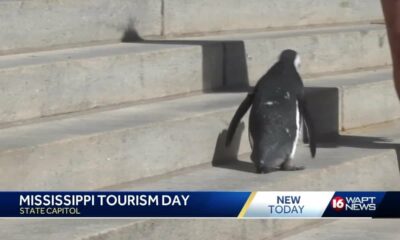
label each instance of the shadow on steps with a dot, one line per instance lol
(227, 157)
(363, 142)
(224, 65)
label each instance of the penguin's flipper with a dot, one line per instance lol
(244, 106)
(309, 125)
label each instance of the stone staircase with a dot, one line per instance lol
(86, 107)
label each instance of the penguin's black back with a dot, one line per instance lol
(272, 122)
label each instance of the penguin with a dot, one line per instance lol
(278, 112)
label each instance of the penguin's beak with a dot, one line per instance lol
(297, 62)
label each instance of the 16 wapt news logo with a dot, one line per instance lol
(364, 203)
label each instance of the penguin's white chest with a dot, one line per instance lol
(297, 132)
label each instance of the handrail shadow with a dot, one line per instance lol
(224, 65)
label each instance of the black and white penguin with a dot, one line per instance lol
(277, 113)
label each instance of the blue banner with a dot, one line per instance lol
(121, 204)
(203, 204)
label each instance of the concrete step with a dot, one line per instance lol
(101, 148)
(28, 25)
(363, 98)
(322, 50)
(56, 82)
(49, 83)
(387, 229)
(57, 229)
(179, 229)
(66, 22)
(350, 162)
(364, 159)
(325, 229)
(347, 163)
(185, 17)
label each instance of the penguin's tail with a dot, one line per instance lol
(311, 135)
(313, 147)
(244, 106)
(309, 127)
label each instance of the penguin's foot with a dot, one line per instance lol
(288, 166)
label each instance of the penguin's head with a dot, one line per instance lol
(290, 56)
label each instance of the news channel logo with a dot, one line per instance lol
(353, 203)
